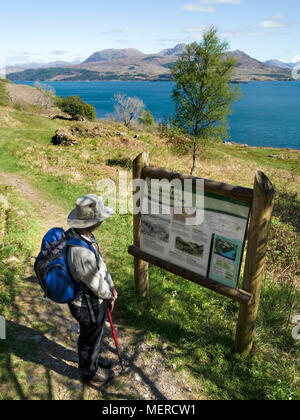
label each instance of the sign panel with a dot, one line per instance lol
(206, 238)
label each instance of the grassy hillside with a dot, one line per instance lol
(197, 325)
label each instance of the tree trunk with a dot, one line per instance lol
(194, 160)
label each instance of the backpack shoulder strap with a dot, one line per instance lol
(74, 242)
(79, 243)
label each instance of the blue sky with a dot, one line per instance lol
(35, 30)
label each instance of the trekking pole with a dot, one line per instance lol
(116, 342)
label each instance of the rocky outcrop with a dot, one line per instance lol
(69, 136)
(64, 137)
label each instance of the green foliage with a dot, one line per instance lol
(181, 143)
(6, 81)
(71, 74)
(287, 208)
(50, 73)
(74, 106)
(146, 118)
(177, 138)
(286, 76)
(203, 95)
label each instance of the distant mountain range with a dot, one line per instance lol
(132, 64)
(281, 64)
(36, 65)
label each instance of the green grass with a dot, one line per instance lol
(287, 160)
(197, 324)
(199, 327)
(21, 233)
(4, 98)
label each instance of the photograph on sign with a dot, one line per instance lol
(207, 239)
(225, 260)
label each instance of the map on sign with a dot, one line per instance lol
(207, 239)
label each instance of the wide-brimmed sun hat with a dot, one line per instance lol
(90, 210)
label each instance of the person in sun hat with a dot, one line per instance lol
(97, 290)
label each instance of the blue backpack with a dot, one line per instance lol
(51, 266)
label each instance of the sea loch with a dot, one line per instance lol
(267, 115)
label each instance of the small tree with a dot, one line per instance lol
(46, 97)
(146, 118)
(127, 108)
(203, 94)
(75, 106)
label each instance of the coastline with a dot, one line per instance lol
(237, 82)
(255, 125)
(287, 149)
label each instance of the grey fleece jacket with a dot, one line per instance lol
(84, 267)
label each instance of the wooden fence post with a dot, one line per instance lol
(141, 272)
(261, 214)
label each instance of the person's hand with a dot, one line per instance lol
(114, 292)
(111, 305)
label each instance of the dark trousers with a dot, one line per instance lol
(90, 336)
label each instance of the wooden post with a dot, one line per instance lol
(261, 214)
(141, 272)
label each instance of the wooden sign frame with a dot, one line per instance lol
(261, 198)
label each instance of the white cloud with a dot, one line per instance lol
(238, 2)
(192, 29)
(198, 8)
(122, 41)
(272, 24)
(243, 34)
(280, 17)
(164, 41)
(204, 6)
(112, 31)
(277, 21)
(58, 52)
(296, 59)
(196, 32)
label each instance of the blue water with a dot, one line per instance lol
(267, 115)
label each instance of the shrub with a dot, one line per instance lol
(75, 106)
(146, 118)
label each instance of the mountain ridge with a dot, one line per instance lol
(132, 64)
(281, 64)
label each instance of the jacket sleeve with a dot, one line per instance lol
(83, 267)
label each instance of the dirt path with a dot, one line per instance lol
(42, 359)
(48, 213)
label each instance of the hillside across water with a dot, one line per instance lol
(132, 64)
